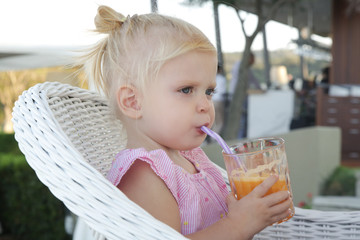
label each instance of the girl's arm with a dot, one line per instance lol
(144, 187)
(246, 217)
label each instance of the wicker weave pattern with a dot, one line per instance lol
(69, 138)
(60, 129)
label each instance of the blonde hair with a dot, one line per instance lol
(136, 47)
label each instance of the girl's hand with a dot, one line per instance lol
(255, 211)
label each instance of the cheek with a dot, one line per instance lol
(164, 116)
(212, 113)
(173, 116)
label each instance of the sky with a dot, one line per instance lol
(52, 23)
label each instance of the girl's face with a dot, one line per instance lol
(178, 102)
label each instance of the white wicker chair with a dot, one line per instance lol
(70, 138)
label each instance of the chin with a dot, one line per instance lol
(195, 145)
(189, 146)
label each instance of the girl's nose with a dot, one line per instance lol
(204, 104)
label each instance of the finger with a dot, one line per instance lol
(282, 215)
(277, 197)
(264, 187)
(281, 207)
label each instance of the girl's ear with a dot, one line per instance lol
(129, 101)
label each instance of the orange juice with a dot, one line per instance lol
(244, 185)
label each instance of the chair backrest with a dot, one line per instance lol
(86, 119)
(70, 138)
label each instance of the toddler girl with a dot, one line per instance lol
(159, 75)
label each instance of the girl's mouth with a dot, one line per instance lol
(198, 129)
(201, 132)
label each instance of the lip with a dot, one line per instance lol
(198, 129)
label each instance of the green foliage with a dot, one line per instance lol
(307, 204)
(341, 182)
(8, 144)
(27, 208)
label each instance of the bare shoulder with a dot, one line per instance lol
(143, 186)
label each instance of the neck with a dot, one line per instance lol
(137, 139)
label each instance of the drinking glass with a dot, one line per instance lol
(252, 161)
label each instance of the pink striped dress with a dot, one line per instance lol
(201, 196)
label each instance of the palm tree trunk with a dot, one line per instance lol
(233, 121)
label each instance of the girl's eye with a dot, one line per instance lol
(186, 90)
(210, 91)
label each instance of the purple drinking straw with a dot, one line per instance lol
(217, 138)
(221, 142)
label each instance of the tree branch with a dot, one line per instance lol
(263, 20)
(274, 8)
(242, 21)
